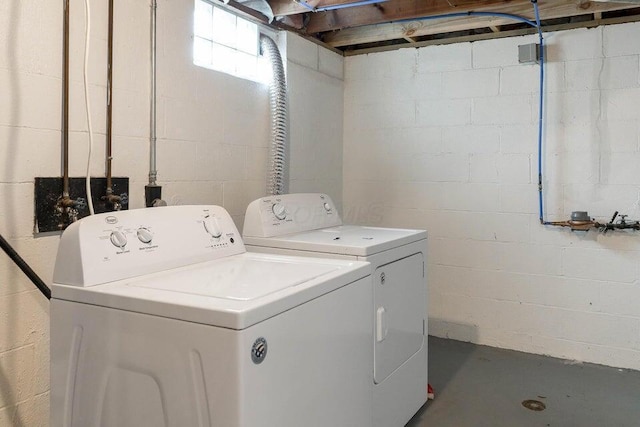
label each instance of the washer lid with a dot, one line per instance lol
(243, 279)
(234, 292)
(344, 240)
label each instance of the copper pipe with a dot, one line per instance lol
(109, 99)
(65, 103)
(112, 199)
(575, 225)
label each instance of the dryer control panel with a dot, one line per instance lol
(290, 213)
(117, 245)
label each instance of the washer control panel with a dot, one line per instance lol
(113, 246)
(290, 213)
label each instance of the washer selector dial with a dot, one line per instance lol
(118, 239)
(145, 235)
(279, 210)
(327, 207)
(212, 227)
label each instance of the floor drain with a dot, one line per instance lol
(534, 405)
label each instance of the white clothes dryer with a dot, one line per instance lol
(309, 225)
(160, 317)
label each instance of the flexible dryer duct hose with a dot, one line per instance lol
(279, 131)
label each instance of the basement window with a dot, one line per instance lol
(227, 43)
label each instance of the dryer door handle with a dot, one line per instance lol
(382, 325)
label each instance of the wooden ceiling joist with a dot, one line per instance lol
(393, 10)
(396, 10)
(489, 36)
(291, 7)
(355, 26)
(379, 32)
(417, 28)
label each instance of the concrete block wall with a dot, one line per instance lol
(315, 78)
(30, 116)
(213, 136)
(214, 128)
(445, 138)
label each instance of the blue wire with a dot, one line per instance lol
(540, 113)
(519, 18)
(537, 25)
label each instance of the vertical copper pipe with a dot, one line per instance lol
(65, 103)
(109, 99)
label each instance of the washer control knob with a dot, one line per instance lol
(212, 227)
(118, 239)
(145, 235)
(279, 211)
(327, 207)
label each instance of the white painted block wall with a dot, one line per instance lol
(213, 133)
(315, 114)
(445, 138)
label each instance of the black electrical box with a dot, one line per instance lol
(50, 215)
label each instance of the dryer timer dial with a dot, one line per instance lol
(279, 211)
(212, 227)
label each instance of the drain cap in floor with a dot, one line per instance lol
(534, 405)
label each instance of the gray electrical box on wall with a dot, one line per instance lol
(529, 53)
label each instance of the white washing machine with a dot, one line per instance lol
(160, 317)
(309, 224)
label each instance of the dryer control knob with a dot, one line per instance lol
(212, 227)
(118, 239)
(279, 211)
(145, 235)
(327, 207)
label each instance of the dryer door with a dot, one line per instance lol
(399, 292)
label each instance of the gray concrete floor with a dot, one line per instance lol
(478, 386)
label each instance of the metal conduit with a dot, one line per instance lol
(65, 103)
(153, 172)
(109, 156)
